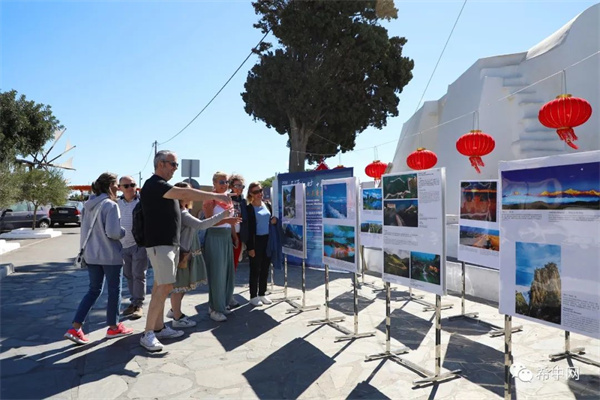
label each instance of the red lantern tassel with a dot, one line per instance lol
(476, 162)
(568, 135)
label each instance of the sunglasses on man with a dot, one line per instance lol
(172, 163)
(127, 185)
(223, 182)
(239, 186)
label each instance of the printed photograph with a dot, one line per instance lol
(335, 201)
(573, 187)
(425, 267)
(401, 213)
(289, 201)
(396, 262)
(400, 186)
(339, 242)
(481, 238)
(293, 237)
(538, 284)
(478, 201)
(371, 199)
(371, 227)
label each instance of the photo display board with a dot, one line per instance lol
(550, 241)
(414, 228)
(339, 223)
(293, 220)
(478, 224)
(314, 210)
(371, 217)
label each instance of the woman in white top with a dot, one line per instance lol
(218, 254)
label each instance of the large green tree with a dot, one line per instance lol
(25, 126)
(41, 186)
(10, 183)
(334, 73)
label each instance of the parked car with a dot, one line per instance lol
(70, 213)
(20, 215)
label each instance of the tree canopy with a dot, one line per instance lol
(40, 187)
(25, 126)
(334, 73)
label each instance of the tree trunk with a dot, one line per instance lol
(35, 207)
(298, 141)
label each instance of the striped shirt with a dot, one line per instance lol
(126, 208)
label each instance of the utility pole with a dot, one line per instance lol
(155, 147)
(140, 179)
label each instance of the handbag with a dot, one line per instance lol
(184, 258)
(79, 261)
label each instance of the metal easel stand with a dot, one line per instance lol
(329, 321)
(508, 358)
(297, 308)
(285, 297)
(355, 334)
(574, 354)
(429, 377)
(388, 353)
(474, 317)
(428, 306)
(272, 285)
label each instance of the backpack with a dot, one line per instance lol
(137, 228)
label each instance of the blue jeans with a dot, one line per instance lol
(113, 278)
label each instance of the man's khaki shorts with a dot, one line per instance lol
(164, 261)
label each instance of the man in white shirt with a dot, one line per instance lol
(135, 259)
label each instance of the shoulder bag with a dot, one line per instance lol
(79, 261)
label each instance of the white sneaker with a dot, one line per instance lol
(217, 316)
(210, 310)
(233, 303)
(265, 299)
(227, 311)
(168, 333)
(170, 314)
(183, 322)
(150, 342)
(256, 301)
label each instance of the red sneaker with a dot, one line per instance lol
(77, 336)
(121, 330)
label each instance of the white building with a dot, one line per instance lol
(533, 78)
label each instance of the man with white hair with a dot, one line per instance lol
(135, 260)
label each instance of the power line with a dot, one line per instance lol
(220, 90)
(441, 54)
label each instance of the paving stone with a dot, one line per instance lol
(99, 386)
(157, 385)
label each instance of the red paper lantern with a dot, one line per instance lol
(322, 166)
(563, 114)
(474, 145)
(421, 159)
(375, 169)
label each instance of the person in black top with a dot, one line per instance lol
(162, 226)
(259, 219)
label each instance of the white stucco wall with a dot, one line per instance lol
(512, 121)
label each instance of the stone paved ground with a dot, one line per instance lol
(259, 352)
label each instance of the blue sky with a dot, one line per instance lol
(120, 75)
